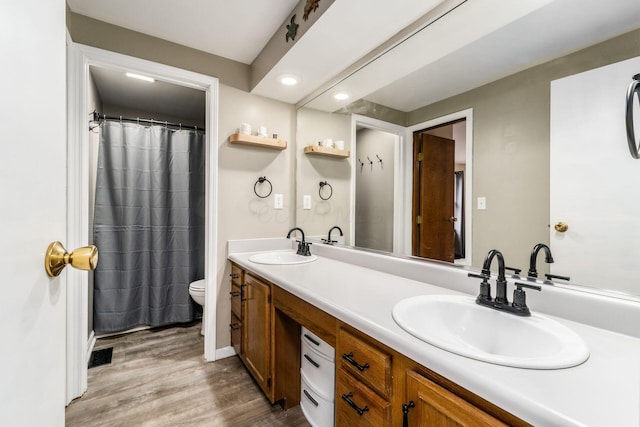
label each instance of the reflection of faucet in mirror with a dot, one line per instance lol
(534, 255)
(328, 240)
(303, 247)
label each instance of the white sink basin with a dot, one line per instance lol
(459, 325)
(281, 258)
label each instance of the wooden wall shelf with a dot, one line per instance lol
(258, 141)
(324, 151)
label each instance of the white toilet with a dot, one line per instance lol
(196, 290)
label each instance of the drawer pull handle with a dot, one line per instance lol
(234, 326)
(234, 275)
(311, 339)
(242, 299)
(347, 398)
(234, 293)
(313, 362)
(349, 358)
(311, 399)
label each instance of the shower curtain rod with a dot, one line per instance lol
(97, 117)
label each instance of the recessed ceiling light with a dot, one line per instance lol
(341, 96)
(289, 80)
(139, 77)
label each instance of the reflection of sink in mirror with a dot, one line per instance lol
(457, 324)
(281, 258)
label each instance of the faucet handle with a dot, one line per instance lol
(485, 287)
(555, 276)
(516, 271)
(520, 298)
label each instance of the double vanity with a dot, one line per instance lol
(411, 341)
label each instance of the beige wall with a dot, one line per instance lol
(314, 126)
(241, 214)
(374, 189)
(511, 148)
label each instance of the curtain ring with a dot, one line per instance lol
(322, 185)
(260, 181)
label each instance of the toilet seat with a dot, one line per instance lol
(197, 286)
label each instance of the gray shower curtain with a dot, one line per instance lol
(148, 225)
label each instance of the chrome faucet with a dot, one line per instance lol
(519, 305)
(534, 255)
(303, 247)
(328, 240)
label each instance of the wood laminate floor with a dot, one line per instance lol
(159, 378)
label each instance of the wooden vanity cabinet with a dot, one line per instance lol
(375, 385)
(258, 332)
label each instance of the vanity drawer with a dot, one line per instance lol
(317, 408)
(236, 275)
(236, 300)
(357, 405)
(365, 361)
(236, 334)
(316, 343)
(319, 370)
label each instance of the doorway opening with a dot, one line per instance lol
(441, 180)
(438, 191)
(80, 338)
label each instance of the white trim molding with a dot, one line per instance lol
(224, 352)
(81, 57)
(468, 177)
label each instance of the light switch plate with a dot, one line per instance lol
(306, 202)
(278, 201)
(482, 203)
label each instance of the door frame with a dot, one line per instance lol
(399, 188)
(80, 57)
(468, 179)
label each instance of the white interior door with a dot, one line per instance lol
(32, 212)
(594, 180)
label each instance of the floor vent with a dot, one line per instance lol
(100, 357)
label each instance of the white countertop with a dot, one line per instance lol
(603, 391)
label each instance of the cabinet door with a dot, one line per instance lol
(435, 406)
(257, 330)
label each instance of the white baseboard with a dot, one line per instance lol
(90, 344)
(224, 352)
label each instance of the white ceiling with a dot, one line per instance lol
(234, 29)
(479, 42)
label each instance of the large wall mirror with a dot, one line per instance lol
(546, 118)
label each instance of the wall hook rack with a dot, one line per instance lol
(322, 185)
(261, 180)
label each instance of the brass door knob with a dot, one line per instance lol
(453, 219)
(57, 257)
(561, 227)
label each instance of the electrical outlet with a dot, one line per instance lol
(278, 201)
(306, 202)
